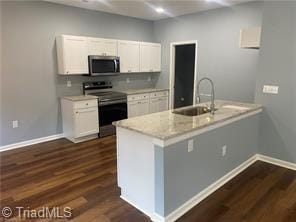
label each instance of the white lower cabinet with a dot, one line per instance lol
(159, 104)
(138, 108)
(86, 121)
(80, 120)
(142, 104)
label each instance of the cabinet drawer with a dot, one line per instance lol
(159, 94)
(138, 97)
(85, 104)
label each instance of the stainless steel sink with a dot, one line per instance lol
(194, 111)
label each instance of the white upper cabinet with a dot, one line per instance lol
(104, 47)
(250, 37)
(135, 57)
(72, 55)
(129, 53)
(150, 57)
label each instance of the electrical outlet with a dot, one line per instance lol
(190, 146)
(69, 83)
(270, 89)
(128, 80)
(224, 150)
(149, 79)
(15, 124)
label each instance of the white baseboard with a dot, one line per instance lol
(278, 162)
(30, 142)
(134, 205)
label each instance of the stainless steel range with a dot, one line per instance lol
(112, 105)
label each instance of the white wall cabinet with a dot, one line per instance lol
(72, 55)
(150, 57)
(104, 47)
(129, 53)
(135, 57)
(80, 119)
(250, 37)
(142, 104)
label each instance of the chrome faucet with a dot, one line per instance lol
(212, 95)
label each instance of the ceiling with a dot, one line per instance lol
(146, 9)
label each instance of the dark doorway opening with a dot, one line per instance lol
(184, 75)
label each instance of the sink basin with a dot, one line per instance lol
(194, 111)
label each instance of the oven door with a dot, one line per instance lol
(110, 111)
(103, 65)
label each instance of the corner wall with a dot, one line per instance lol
(277, 61)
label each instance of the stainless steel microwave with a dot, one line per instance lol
(103, 65)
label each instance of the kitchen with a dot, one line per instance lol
(97, 113)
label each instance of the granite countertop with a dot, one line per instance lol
(138, 91)
(166, 125)
(80, 98)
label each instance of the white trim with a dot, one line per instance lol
(164, 143)
(172, 70)
(134, 205)
(30, 142)
(278, 162)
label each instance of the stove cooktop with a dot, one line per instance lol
(108, 95)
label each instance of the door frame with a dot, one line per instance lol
(172, 70)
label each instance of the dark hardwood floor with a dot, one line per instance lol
(83, 177)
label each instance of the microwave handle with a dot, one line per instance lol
(115, 63)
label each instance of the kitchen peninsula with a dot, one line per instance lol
(168, 162)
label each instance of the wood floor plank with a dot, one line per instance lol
(84, 177)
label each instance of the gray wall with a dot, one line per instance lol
(194, 171)
(219, 57)
(30, 85)
(277, 62)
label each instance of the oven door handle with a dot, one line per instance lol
(111, 102)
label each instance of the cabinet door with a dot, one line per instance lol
(138, 108)
(75, 55)
(145, 57)
(163, 104)
(154, 105)
(156, 57)
(104, 47)
(150, 57)
(86, 122)
(110, 47)
(129, 53)
(95, 46)
(158, 104)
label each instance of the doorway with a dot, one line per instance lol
(183, 74)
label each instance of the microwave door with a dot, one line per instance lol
(103, 65)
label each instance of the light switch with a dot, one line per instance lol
(15, 124)
(270, 89)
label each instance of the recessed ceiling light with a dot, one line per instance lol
(159, 10)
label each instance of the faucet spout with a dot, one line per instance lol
(212, 107)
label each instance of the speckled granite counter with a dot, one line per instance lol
(80, 98)
(138, 91)
(166, 125)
